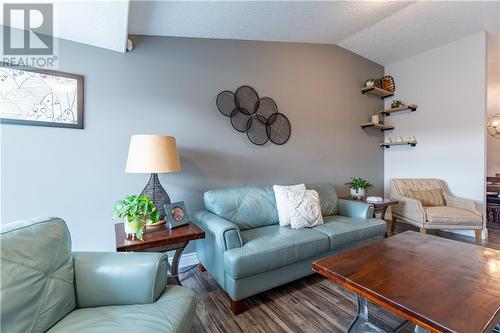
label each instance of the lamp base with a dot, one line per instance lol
(157, 194)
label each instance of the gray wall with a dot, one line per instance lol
(168, 86)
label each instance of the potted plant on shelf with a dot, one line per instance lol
(136, 211)
(369, 83)
(358, 187)
(396, 103)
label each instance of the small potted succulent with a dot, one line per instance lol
(396, 103)
(136, 211)
(358, 187)
(369, 83)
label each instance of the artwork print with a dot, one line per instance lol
(32, 96)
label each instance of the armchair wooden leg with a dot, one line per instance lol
(238, 307)
(423, 230)
(393, 224)
(201, 268)
(478, 236)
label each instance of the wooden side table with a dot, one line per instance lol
(378, 207)
(161, 240)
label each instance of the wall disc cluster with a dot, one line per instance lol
(257, 117)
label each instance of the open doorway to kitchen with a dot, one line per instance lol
(493, 135)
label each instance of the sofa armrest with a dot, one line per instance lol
(457, 202)
(357, 209)
(225, 233)
(118, 278)
(409, 208)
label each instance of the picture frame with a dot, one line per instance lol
(176, 214)
(40, 97)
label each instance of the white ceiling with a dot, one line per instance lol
(98, 23)
(384, 32)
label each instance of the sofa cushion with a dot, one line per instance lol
(37, 275)
(432, 197)
(327, 197)
(452, 215)
(247, 207)
(271, 247)
(343, 230)
(172, 312)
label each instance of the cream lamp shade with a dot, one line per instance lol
(152, 154)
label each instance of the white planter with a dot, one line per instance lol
(357, 192)
(126, 226)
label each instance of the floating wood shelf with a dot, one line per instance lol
(374, 91)
(377, 126)
(388, 145)
(411, 107)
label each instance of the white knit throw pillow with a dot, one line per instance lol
(282, 201)
(304, 208)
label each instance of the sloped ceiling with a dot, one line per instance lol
(98, 23)
(384, 32)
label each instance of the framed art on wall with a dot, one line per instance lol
(40, 97)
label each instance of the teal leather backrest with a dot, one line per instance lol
(252, 207)
(37, 287)
(327, 197)
(247, 207)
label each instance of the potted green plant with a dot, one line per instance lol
(358, 186)
(369, 83)
(396, 103)
(136, 211)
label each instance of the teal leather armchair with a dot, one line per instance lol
(46, 288)
(247, 252)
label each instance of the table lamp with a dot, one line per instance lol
(153, 154)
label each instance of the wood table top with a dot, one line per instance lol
(385, 202)
(156, 238)
(438, 284)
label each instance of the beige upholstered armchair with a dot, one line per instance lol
(427, 204)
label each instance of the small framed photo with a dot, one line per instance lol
(176, 214)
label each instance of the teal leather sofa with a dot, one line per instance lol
(247, 252)
(46, 288)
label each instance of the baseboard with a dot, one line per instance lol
(188, 259)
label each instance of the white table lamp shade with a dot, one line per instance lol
(152, 154)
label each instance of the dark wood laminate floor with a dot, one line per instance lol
(312, 304)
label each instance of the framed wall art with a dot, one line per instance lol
(40, 97)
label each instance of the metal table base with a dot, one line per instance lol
(361, 323)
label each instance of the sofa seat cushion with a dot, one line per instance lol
(343, 231)
(172, 312)
(272, 247)
(452, 215)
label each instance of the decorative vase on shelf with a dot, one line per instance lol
(357, 192)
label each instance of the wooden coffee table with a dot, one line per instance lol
(436, 284)
(161, 240)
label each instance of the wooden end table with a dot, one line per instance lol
(161, 240)
(436, 284)
(378, 207)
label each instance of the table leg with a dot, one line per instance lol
(361, 323)
(174, 271)
(383, 213)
